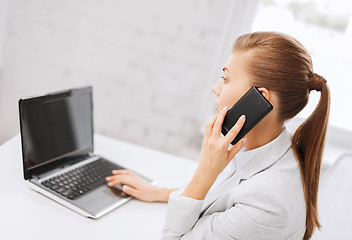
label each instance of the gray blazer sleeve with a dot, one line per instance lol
(264, 216)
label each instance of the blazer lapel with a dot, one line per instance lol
(250, 163)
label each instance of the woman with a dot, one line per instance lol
(266, 185)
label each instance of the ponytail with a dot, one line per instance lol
(307, 144)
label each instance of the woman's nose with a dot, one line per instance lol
(216, 89)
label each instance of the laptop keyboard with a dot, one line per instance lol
(78, 181)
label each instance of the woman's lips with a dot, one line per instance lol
(217, 105)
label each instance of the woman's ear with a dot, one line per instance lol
(265, 92)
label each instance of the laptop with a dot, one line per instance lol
(57, 151)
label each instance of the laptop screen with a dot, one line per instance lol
(55, 127)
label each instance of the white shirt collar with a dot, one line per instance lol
(248, 163)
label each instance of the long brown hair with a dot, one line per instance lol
(281, 64)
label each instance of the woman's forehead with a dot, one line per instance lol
(234, 63)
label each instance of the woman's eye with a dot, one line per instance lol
(224, 79)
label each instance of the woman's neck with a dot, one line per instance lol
(262, 134)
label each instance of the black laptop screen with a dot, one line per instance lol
(55, 127)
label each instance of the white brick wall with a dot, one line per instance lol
(148, 63)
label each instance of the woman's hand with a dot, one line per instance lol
(214, 156)
(138, 187)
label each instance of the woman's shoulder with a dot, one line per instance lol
(277, 190)
(280, 179)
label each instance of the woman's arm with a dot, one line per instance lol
(260, 216)
(214, 156)
(138, 187)
(183, 211)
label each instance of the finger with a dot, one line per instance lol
(131, 191)
(219, 121)
(235, 129)
(123, 179)
(110, 178)
(121, 171)
(236, 148)
(209, 126)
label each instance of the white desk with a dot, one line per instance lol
(26, 214)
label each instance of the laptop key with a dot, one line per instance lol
(47, 184)
(71, 196)
(54, 187)
(96, 184)
(67, 192)
(60, 190)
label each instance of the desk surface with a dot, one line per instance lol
(26, 214)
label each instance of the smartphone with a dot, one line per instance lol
(253, 105)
